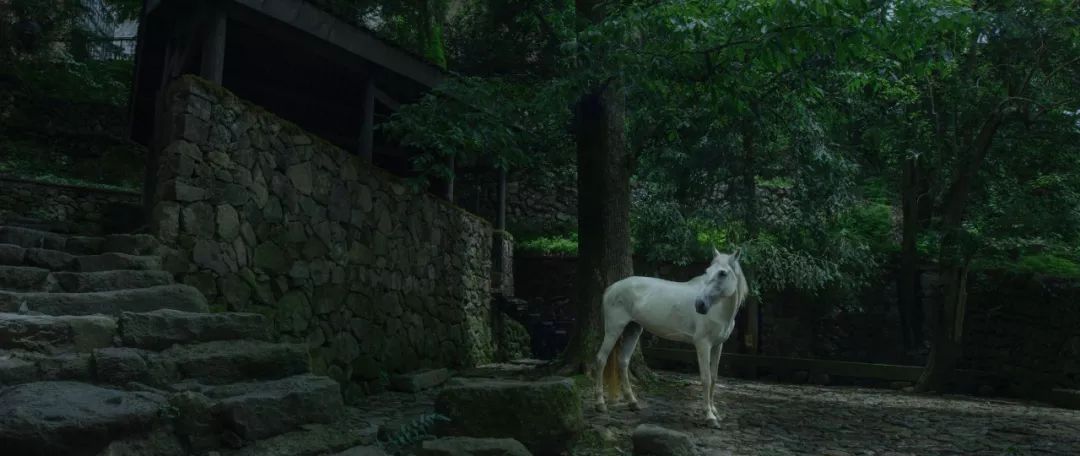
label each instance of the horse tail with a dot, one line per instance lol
(612, 378)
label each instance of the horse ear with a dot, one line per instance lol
(735, 257)
(716, 253)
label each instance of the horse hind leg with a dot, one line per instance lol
(630, 338)
(610, 338)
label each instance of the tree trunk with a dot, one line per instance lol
(948, 329)
(604, 256)
(752, 338)
(947, 317)
(908, 282)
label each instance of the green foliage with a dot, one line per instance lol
(98, 82)
(550, 245)
(1047, 264)
(872, 224)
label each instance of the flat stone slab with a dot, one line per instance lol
(12, 255)
(53, 260)
(88, 282)
(32, 239)
(163, 328)
(653, 440)
(131, 244)
(178, 297)
(419, 380)
(116, 262)
(223, 362)
(544, 415)
(255, 411)
(471, 446)
(23, 278)
(71, 418)
(14, 370)
(53, 334)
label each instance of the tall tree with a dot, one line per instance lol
(604, 167)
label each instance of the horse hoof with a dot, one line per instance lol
(601, 408)
(713, 423)
(636, 406)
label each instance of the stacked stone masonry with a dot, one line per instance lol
(102, 353)
(77, 209)
(376, 277)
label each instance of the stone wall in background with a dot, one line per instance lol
(537, 201)
(377, 278)
(68, 208)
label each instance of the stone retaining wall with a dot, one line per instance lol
(377, 277)
(75, 209)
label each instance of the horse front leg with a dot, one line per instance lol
(704, 356)
(714, 367)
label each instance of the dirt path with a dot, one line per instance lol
(764, 419)
(778, 419)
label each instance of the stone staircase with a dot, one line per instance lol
(101, 353)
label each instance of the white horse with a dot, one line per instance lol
(700, 311)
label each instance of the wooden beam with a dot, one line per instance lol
(367, 123)
(322, 25)
(386, 100)
(212, 67)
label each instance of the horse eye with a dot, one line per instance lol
(723, 273)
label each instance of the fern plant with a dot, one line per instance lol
(412, 433)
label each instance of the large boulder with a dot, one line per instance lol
(470, 446)
(653, 440)
(71, 418)
(544, 415)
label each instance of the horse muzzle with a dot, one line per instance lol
(701, 307)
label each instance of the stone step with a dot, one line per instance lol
(89, 282)
(27, 279)
(353, 428)
(161, 329)
(18, 366)
(29, 238)
(52, 226)
(58, 260)
(224, 362)
(259, 410)
(178, 297)
(56, 334)
(23, 278)
(72, 418)
(117, 261)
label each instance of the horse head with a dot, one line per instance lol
(721, 280)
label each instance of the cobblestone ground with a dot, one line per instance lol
(779, 419)
(763, 419)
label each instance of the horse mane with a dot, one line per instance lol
(742, 289)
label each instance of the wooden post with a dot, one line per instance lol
(367, 127)
(753, 326)
(212, 67)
